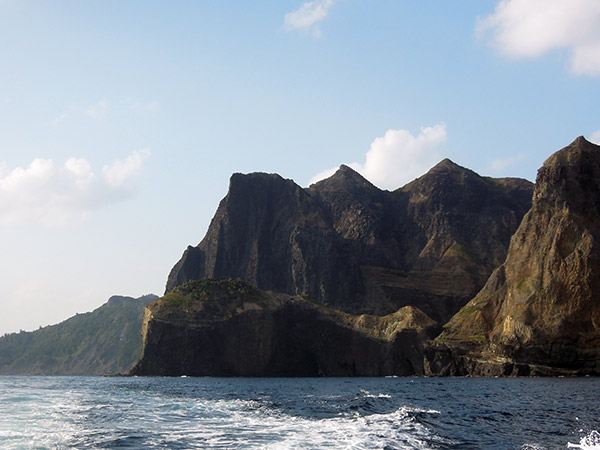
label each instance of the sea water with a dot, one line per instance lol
(325, 413)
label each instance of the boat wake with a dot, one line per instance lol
(589, 442)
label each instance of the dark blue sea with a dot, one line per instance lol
(333, 413)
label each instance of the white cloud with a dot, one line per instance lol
(58, 120)
(98, 110)
(308, 16)
(500, 164)
(531, 28)
(56, 196)
(141, 106)
(120, 171)
(595, 137)
(398, 157)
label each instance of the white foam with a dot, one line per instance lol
(589, 442)
(74, 420)
(367, 394)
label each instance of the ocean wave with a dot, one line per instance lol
(589, 442)
(136, 413)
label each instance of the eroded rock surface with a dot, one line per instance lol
(229, 328)
(539, 313)
(348, 244)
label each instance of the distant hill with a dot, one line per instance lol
(104, 341)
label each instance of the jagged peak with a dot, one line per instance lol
(348, 173)
(572, 154)
(345, 177)
(571, 177)
(254, 176)
(243, 182)
(446, 168)
(447, 164)
(581, 143)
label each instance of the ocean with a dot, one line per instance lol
(315, 413)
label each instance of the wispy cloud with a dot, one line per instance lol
(58, 120)
(531, 28)
(119, 171)
(101, 109)
(595, 137)
(308, 16)
(140, 106)
(97, 110)
(398, 157)
(45, 194)
(498, 165)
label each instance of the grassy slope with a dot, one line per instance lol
(104, 341)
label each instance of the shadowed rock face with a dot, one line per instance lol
(348, 244)
(228, 328)
(539, 313)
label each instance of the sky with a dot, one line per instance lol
(121, 122)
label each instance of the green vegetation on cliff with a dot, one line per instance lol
(208, 288)
(104, 341)
(226, 327)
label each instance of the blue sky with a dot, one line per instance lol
(121, 122)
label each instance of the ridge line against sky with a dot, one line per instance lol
(120, 123)
(515, 31)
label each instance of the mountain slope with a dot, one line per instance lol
(104, 341)
(539, 313)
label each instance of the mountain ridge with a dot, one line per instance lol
(509, 268)
(338, 239)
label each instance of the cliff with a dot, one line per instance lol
(348, 244)
(539, 313)
(229, 328)
(104, 341)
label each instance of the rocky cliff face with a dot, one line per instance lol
(348, 244)
(229, 328)
(539, 313)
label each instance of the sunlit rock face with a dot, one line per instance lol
(539, 313)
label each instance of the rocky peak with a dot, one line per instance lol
(446, 173)
(570, 178)
(260, 188)
(345, 179)
(446, 165)
(541, 306)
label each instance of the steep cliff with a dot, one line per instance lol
(539, 313)
(229, 328)
(352, 246)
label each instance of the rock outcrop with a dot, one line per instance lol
(348, 244)
(229, 328)
(539, 313)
